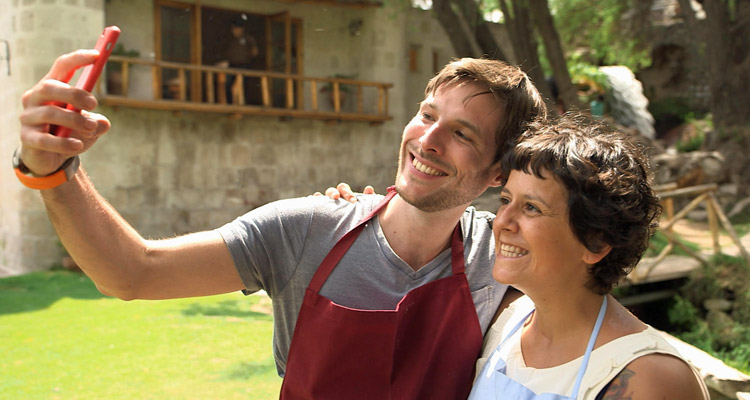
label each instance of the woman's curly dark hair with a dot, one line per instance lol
(606, 174)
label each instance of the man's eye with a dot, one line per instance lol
(427, 116)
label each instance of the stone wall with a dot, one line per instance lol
(27, 241)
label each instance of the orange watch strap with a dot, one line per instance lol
(63, 174)
(46, 182)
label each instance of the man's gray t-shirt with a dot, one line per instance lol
(279, 246)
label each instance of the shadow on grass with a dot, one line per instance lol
(247, 370)
(227, 308)
(39, 290)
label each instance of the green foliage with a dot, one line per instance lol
(741, 222)
(683, 315)
(597, 25)
(691, 143)
(677, 108)
(120, 50)
(588, 78)
(722, 333)
(62, 339)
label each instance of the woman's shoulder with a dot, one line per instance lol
(656, 375)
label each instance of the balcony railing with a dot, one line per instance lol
(135, 82)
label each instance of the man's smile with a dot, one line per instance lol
(425, 169)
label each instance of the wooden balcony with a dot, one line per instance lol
(134, 82)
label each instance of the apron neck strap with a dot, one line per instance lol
(590, 347)
(343, 245)
(457, 250)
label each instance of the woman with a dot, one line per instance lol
(575, 216)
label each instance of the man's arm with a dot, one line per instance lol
(124, 264)
(105, 246)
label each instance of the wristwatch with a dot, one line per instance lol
(55, 179)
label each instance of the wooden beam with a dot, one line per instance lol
(338, 3)
(172, 105)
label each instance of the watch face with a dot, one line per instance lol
(17, 162)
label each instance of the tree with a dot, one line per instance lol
(545, 26)
(724, 37)
(466, 27)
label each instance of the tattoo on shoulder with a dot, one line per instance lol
(618, 389)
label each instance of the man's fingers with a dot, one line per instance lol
(368, 190)
(102, 123)
(333, 193)
(43, 141)
(346, 192)
(65, 66)
(40, 118)
(50, 91)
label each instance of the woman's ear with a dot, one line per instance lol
(591, 258)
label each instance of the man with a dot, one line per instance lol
(241, 51)
(373, 299)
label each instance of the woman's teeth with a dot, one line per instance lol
(507, 250)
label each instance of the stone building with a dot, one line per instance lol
(181, 158)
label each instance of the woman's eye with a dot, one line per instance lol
(532, 208)
(427, 116)
(504, 201)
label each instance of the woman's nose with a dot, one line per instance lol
(505, 219)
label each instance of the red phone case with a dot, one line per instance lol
(91, 72)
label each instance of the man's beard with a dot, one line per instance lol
(439, 200)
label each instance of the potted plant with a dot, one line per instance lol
(345, 91)
(114, 68)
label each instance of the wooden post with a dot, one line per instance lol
(156, 73)
(728, 227)
(314, 95)
(210, 92)
(336, 97)
(264, 88)
(713, 225)
(181, 84)
(289, 93)
(125, 79)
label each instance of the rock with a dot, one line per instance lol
(723, 328)
(739, 207)
(689, 169)
(628, 105)
(717, 304)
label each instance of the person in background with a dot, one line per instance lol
(387, 297)
(576, 213)
(241, 51)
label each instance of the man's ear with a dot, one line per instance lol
(591, 258)
(496, 173)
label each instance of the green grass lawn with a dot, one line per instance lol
(61, 339)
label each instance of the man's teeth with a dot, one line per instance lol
(507, 250)
(427, 170)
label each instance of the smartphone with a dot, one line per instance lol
(91, 72)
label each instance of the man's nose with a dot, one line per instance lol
(433, 139)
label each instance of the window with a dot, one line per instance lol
(181, 38)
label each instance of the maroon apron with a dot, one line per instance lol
(424, 349)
